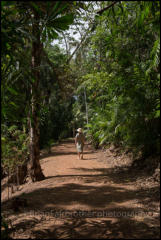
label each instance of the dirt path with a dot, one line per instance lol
(93, 198)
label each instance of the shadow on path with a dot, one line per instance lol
(92, 192)
(99, 229)
(53, 200)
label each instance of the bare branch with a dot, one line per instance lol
(104, 9)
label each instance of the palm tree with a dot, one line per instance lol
(47, 19)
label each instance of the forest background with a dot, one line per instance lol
(65, 65)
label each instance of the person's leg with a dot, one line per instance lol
(78, 151)
(82, 154)
(81, 151)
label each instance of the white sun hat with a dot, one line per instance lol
(79, 130)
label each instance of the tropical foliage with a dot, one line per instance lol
(123, 84)
(107, 81)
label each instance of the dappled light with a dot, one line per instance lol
(80, 119)
(83, 200)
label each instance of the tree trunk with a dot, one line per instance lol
(35, 170)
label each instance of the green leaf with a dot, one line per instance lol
(56, 10)
(12, 103)
(13, 91)
(54, 34)
(57, 4)
(7, 3)
(62, 23)
(157, 114)
(36, 7)
(120, 6)
(89, 125)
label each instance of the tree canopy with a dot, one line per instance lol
(70, 64)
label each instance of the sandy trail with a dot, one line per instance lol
(84, 199)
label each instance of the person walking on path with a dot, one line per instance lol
(79, 142)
